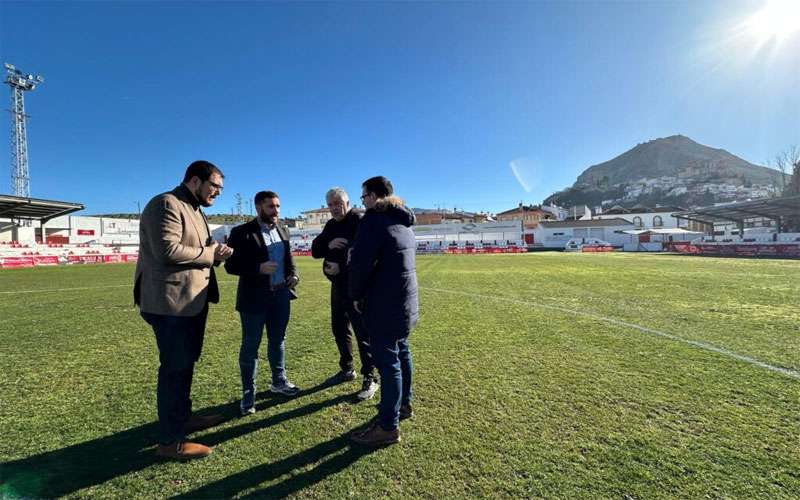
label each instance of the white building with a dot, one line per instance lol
(645, 218)
(316, 219)
(74, 229)
(555, 234)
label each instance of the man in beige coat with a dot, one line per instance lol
(174, 282)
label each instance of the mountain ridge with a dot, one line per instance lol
(672, 170)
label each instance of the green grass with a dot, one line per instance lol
(522, 389)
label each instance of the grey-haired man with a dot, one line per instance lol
(332, 245)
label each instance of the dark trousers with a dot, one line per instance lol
(180, 340)
(393, 359)
(344, 321)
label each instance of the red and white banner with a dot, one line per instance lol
(16, 262)
(45, 260)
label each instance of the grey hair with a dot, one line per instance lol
(336, 192)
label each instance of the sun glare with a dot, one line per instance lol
(779, 19)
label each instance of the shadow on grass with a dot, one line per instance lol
(61, 472)
(234, 484)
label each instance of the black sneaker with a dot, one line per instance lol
(341, 378)
(406, 412)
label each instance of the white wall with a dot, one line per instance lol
(668, 221)
(557, 237)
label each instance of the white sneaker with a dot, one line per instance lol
(368, 389)
(286, 388)
(247, 411)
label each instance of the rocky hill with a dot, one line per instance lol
(674, 171)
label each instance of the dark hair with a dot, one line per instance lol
(379, 185)
(263, 195)
(202, 170)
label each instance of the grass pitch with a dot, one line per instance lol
(554, 375)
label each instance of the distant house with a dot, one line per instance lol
(558, 213)
(530, 215)
(316, 219)
(433, 216)
(294, 223)
(579, 212)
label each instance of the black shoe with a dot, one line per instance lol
(341, 377)
(376, 436)
(406, 412)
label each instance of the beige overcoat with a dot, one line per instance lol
(174, 273)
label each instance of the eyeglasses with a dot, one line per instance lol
(365, 196)
(216, 186)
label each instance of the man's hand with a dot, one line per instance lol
(268, 267)
(337, 243)
(292, 281)
(330, 268)
(222, 252)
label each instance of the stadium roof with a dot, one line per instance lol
(771, 208)
(667, 231)
(15, 207)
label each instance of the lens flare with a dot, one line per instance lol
(779, 19)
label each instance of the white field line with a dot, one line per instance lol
(77, 288)
(43, 290)
(694, 343)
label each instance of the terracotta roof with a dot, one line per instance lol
(524, 208)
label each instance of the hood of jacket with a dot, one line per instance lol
(394, 208)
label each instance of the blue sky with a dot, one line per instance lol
(439, 97)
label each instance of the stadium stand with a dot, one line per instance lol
(16, 255)
(745, 243)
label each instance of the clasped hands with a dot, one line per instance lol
(337, 243)
(222, 252)
(270, 267)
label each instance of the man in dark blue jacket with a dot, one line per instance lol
(332, 245)
(267, 277)
(383, 285)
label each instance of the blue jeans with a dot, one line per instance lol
(275, 317)
(180, 340)
(392, 358)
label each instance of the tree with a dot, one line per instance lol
(786, 163)
(794, 186)
(789, 160)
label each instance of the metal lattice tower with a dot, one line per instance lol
(19, 83)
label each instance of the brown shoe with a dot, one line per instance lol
(366, 427)
(376, 436)
(200, 422)
(183, 451)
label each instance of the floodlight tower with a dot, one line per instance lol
(19, 83)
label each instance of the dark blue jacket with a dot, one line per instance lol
(249, 251)
(383, 271)
(347, 229)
